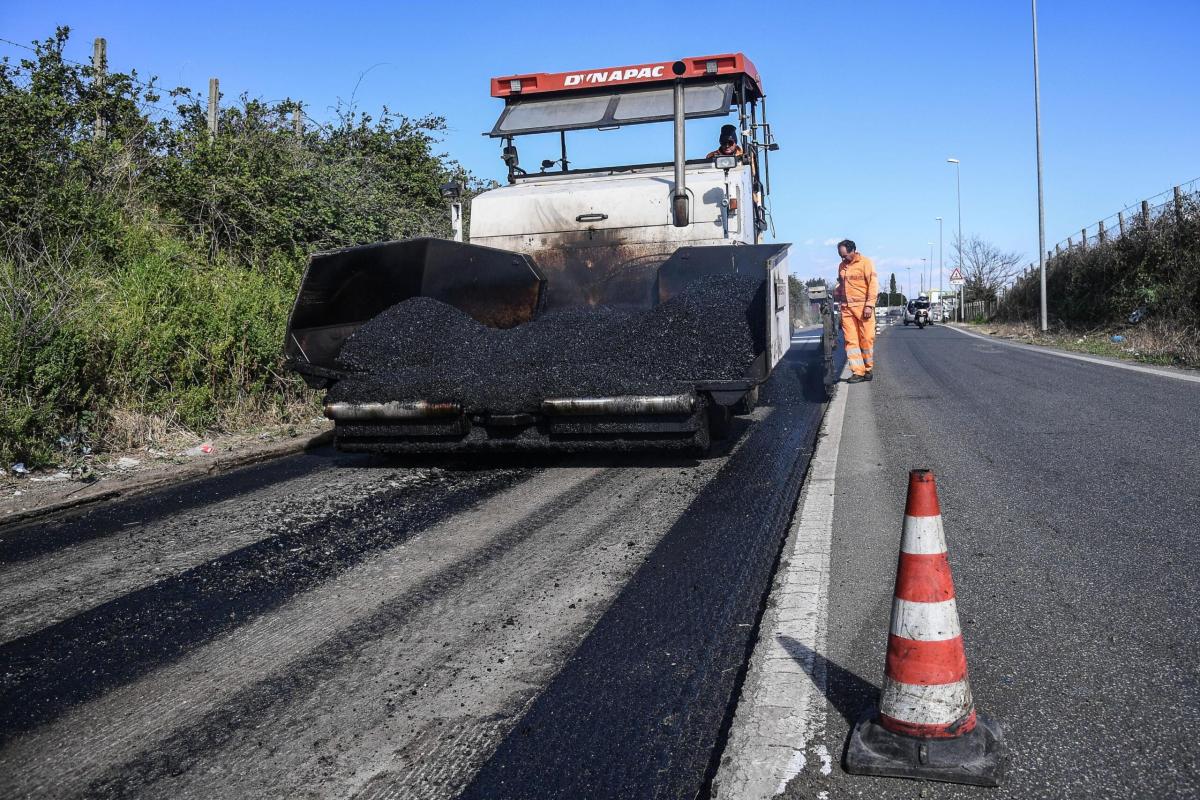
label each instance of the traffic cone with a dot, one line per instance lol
(926, 726)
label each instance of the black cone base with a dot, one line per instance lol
(976, 758)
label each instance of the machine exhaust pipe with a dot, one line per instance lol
(626, 405)
(416, 409)
(679, 201)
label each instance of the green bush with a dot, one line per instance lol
(150, 271)
(1154, 266)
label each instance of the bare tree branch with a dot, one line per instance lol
(984, 266)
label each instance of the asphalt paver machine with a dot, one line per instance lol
(565, 238)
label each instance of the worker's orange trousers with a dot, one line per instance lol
(860, 340)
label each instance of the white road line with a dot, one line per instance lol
(780, 718)
(1046, 351)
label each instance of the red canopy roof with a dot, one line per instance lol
(657, 72)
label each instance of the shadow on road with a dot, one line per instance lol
(845, 691)
(66, 663)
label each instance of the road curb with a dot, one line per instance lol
(780, 714)
(1178, 373)
(168, 476)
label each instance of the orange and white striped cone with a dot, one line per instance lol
(926, 725)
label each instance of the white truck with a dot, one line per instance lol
(572, 236)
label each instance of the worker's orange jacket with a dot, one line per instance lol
(858, 285)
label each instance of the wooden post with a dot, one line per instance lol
(1178, 206)
(1121, 221)
(1083, 238)
(100, 65)
(1100, 232)
(1146, 213)
(1058, 249)
(1070, 244)
(297, 121)
(214, 97)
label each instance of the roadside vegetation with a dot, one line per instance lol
(1142, 288)
(147, 268)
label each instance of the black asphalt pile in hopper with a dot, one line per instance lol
(422, 349)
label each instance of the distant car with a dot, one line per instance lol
(910, 310)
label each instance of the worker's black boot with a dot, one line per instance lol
(869, 376)
(857, 379)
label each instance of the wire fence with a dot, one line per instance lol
(1144, 214)
(1171, 204)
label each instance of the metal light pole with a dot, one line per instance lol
(940, 277)
(958, 190)
(908, 285)
(1037, 117)
(924, 289)
(931, 271)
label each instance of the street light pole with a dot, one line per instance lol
(958, 191)
(922, 278)
(931, 270)
(941, 277)
(1037, 117)
(908, 285)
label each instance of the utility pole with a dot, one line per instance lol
(214, 97)
(100, 67)
(297, 121)
(1037, 117)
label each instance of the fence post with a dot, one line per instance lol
(1058, 249)
(1178, 206)
(1070, 244)
(214, 96)
(1121, 221)
(1100, 232)
(1083, 239)
(1146, 213)
(100, 65)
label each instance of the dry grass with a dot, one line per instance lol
(126, 429)
(1152, 342)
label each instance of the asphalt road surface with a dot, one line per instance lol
(1071, 498)
(341, 626)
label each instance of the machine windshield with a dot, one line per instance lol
(611, 109)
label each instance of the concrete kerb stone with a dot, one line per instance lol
(157, 479)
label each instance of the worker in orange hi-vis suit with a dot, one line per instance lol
(857, 290)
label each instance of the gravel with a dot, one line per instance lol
(423, 349)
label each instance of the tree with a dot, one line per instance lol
(892, 284)
(985, 267)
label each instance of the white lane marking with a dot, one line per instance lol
(923, 536)
(781, 714)
(939, 704)
(925, 622)
(1046, 351)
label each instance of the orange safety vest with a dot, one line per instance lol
(857, 281)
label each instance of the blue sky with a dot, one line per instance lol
(867, 99)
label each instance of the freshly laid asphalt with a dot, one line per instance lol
(1071, 498)
(331, 625)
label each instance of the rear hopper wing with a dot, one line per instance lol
(343, 289)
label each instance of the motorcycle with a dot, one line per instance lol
(922, 317)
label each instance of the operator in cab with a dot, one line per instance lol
(727, 144)
(857, 289)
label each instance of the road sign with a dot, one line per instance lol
(956, 278)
